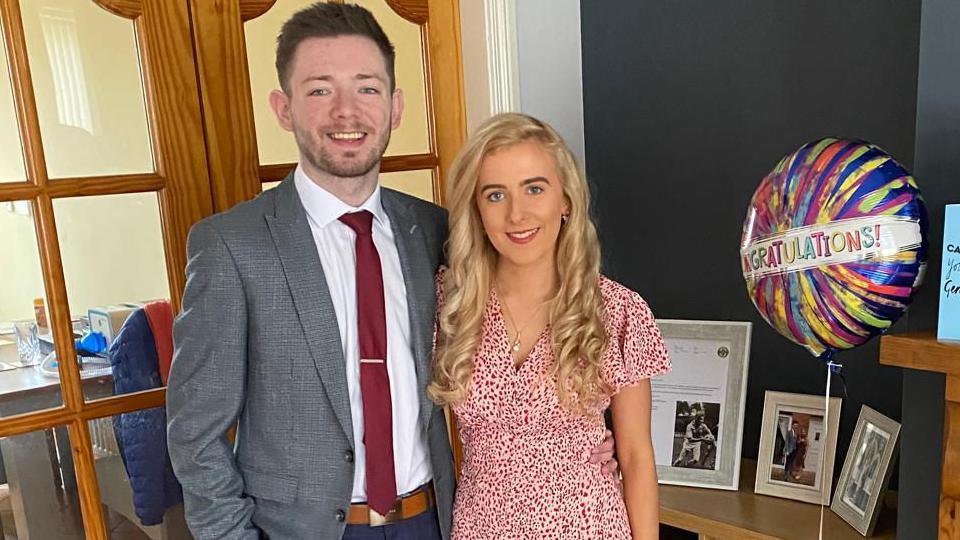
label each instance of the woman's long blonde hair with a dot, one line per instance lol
(578, 334)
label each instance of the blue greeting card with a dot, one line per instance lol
(949, 325)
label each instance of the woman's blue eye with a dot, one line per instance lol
(495, 196)
(536, 190)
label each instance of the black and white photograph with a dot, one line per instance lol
(797, 448)
(696, 430)
(866, 469)
(697, 412)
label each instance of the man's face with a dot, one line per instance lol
(340, 107)
(697, 420)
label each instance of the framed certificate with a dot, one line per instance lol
(698, 407)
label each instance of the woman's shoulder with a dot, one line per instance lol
(618, 295)
(623, 307)
(637, 349)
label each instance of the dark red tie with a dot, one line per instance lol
(374, 381)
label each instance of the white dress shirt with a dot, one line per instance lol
(336, 243)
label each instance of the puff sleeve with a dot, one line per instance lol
(636, 350)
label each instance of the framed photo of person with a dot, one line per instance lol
(798, 443)
(697, 413)
(866, 470)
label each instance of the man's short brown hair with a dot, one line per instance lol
(326, 20)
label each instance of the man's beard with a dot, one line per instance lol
(321, 160)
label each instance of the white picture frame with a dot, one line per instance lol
(797, 447)
(709, 379)
(866, 470)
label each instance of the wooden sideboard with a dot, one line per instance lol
(923, 351)
(743, 515)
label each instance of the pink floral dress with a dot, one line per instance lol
(525, 467)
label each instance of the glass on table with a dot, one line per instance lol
(28, 342)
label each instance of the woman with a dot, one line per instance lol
(799, 463)
(534, 344)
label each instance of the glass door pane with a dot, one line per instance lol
(416, 183)
(116, 491)
(41, 487)
(89, 91)
(113, 264)
(11, 147)
(274, 145)
(413, 135)
(27, 383)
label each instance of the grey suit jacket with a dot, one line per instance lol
(257, 341)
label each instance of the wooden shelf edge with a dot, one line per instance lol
(710, 527)
(920, 350)
(745, 515)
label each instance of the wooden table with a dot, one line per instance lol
(743, 515)
(923, 351)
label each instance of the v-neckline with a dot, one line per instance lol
(514, 367)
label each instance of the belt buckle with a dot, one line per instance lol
(378, 520)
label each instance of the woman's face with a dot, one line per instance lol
(520, 199)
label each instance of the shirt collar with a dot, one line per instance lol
(324, 207)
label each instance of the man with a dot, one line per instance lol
(695, 435)
(790, 450)
(308, 318)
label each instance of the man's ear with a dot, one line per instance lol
(280, 104)
(397, 109)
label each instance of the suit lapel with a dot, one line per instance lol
(308, 285)
(421, 295)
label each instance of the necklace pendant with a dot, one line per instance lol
(516, 345)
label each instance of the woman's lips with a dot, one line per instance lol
(523, 237)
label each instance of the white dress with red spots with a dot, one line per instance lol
(525, 466)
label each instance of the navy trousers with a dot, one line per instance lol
(422, 527)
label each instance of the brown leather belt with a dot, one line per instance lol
(408, 506)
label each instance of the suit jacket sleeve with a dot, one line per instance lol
(205, 393)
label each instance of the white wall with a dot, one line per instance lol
(551, 82)
(547, 51)
(476, 78)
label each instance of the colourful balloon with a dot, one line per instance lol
(834, 244)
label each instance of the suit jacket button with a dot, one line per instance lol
(348, 456)
(341, 515)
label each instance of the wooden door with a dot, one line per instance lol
(122, 123)
(103, 172)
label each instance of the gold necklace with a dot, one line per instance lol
(516, 342)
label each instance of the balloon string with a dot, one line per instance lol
(843, 380)
(831, 368)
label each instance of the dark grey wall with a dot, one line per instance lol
(688, 104)
(938, 168)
